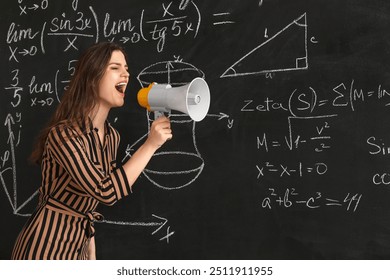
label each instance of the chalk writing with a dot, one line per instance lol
(291, 198)
(283, 170)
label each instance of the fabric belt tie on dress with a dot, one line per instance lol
(92, 216)
(58, 206)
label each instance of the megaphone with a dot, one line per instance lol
(192, 99)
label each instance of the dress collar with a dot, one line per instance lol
(88, 126)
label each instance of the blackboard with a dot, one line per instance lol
(292, 160)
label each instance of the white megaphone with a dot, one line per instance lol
(192, 99)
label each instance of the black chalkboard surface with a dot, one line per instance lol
(292, 160)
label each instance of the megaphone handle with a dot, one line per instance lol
(158, 114)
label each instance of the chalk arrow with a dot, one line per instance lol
(35, 7)
(159, 223)
(24, 52)
(9, 121)
(124, 40)
(169, 66)
(220, 116)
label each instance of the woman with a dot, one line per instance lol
(77, 153)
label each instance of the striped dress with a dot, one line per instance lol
(78, 172)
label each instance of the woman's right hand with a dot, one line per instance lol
(160, 132)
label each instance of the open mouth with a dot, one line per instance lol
(121, 87)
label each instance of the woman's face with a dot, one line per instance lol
(114, 81)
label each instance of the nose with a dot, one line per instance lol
(126, 73)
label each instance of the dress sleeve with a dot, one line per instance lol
(65, 147)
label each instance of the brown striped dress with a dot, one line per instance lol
(78, 172)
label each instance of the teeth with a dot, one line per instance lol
(121, 87)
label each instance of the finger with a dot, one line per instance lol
(162, 121)
(165, 126)
(161, 127)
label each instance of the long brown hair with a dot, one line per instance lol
(80, 98)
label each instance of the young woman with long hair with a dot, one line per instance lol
(77, 153)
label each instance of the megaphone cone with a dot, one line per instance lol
(192, 99)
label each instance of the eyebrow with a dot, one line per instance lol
(117, 63)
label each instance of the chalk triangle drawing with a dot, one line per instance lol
(284, 51)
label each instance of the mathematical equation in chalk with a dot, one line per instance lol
(283, 170)
(75, 25)
(291, 198)
(38, 92)
(303, 132)
(305, 102)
